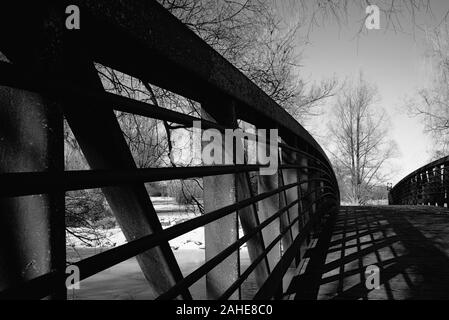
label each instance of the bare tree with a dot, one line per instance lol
(359, 146)
(254, 37)
(432, 102)
(394, 13)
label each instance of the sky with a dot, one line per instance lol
(392, 60)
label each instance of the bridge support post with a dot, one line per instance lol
(291, 176)
(266, 208)
(220, 191)
(440, 187)
(425, 182)
(418, 190)
(304, 188)
(224, 190)
(445, 184)
(314, 194)
(295, 175)
(32, 237)
(285, 218)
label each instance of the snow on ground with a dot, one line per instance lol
(169, 214)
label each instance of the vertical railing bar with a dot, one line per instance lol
(248, 179)
(238, 253)
(281, 177)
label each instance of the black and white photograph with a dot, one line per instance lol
(264, 154)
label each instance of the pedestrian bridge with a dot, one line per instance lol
(301, 243)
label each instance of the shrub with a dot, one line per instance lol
(85, 208)
(185, 191)
(156, 189)
(106, 223)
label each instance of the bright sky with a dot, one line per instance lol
(394, 61)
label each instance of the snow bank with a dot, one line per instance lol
(108, 238)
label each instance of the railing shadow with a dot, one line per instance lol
(408, 245)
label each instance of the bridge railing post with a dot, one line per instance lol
(32, 239)
(419, 187)
(440, 186)
(301, 175)
(414, 191)
(440, 173)
(218, 192)
(304, 187)
(290, 176)
(314, 193)
(266, 208)
(445, 185)
(223, 190)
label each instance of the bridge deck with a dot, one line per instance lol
(410, 245)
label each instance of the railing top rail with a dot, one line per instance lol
(170, 50)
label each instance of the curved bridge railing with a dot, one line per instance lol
(427, 185)
(50, 76)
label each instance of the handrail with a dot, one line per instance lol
(427, 185)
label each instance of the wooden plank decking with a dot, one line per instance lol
(410, 245)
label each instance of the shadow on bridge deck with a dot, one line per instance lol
(409, 244)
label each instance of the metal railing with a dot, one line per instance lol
(427, 185)
(143, 40)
